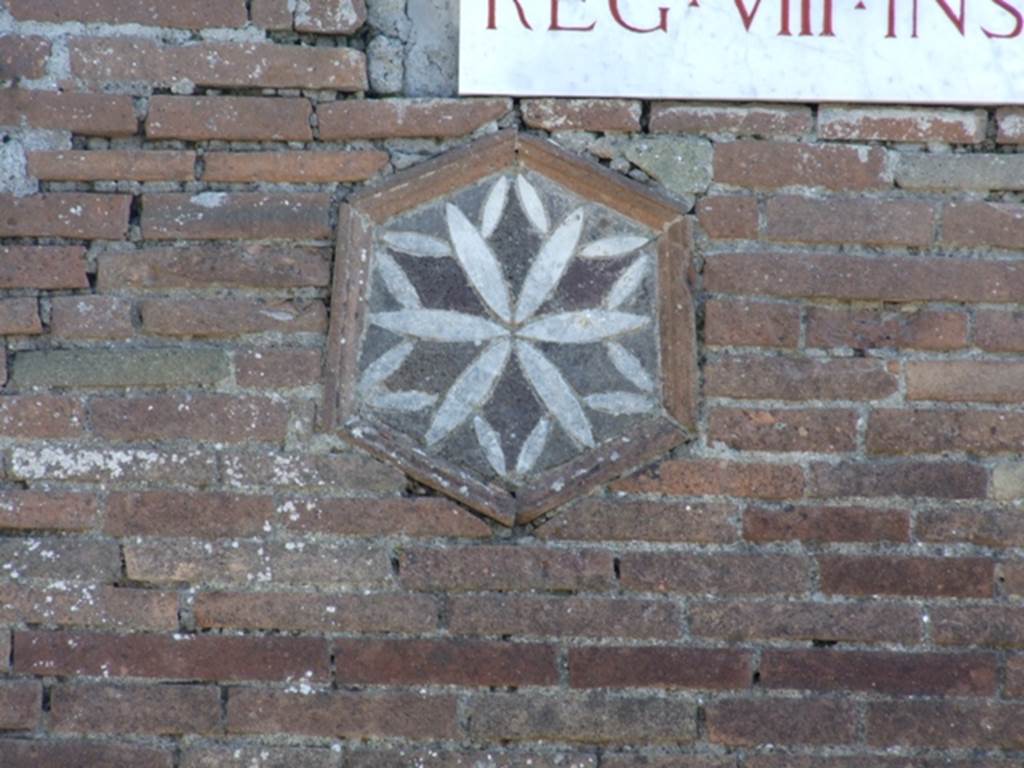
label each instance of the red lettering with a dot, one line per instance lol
(492, 14)
(805, 18)
(826, 19)
(891, 29)
(958, 21)
(748, 16)
(613, 6)
(555, 26)
(1018, 21)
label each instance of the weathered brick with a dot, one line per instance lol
(434, 757)
(298, 167)
(911, 576)
(231, 317)
(601, 115)
(1011, 575)
(73, 215)
(40, 416)
(753, 120)
(659, 667)
(750, 722)
(106, 465)
(938, 330)
(23, 56)
(183, 14)
(872, 760)
(850, 220)
(353, 715)
(307, 611)
(21, 703)
(770, 165)
(233, 755)
(996, 331)
(229, 118)
(1015, 677)
(960, 172)
(53, 558)
(997, 528)
(1010, 124)
(118, 368)
(444, 662)
(278, 368)
(1000, 225)
(215, 418)
(25, 753)
(88, 114)
(236, 215)
(914, 674)
(798, 378)
(949, 126)
(818, 430)
(521, 615)
(272, 14)
(982, 381)
(592, 718)
(177, 657)
(346, 472)
(26, 266)
(934, 479)
(861, 622)
(99, 607)
(406, 118)
(720, 574)
(46, 510)
(728, 217)
(639, 760)
(173, 513)
(5, 651)
(329, 17)
(619, 520)
(91, 317)
(102, 60)
(94, 708)
(515, 568)
(98, 165)
(825, 524)
(710, 477)
(1007, 481)
(381, 517)
(930, 431)
(955, 724)
(998, 626)
(737, 323)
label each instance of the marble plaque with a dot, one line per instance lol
(891, 51)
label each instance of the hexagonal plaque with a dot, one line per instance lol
(511, 325)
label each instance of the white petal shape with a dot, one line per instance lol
(619, 403)
(532, 205)
(627, 284)
(555, 392)
(416, 244)
(479, 263)
(534, 445)
(494, 207)
(549, 265)
(379, 370)
(438, 325)
(583, 327)
(397, 281)
(610, 247)
(491, 444)
(471, 390)
(629, 365)
(410, 400)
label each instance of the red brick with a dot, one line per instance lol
(345, 714)
(745, 120)
(87, 114)
(101, 60)
(308, 611)
(930, 479)
(178, 657)
(618, 520)
(47, 267)
(1000, 225)
(636, 760)
(750, 722)
(1010, 122)
(21, 702)
(951, 724)
(997, 626)
(60, 558)
(658, 667)
(770, 165)
(169, 710)
(174, 513)
(434, 757)
(258, 755)
(406, 118)
(333, 17)
(981, 381)
(798, 378)
(91, 317)
(861, 622)
(980, 432)
(183, 14)
(205, 318)
(1011, 575)
(229, 118)
(721, 574)
(272, 14)
(1015, 677)
(902, 124)
(996, 528)
(817, 430)
(25, 753)
(67, 165)
(19, 317)
(73, 215)
(382, 517)
(23, 56)
(600, 115)
(850, 220)
(40, 416)
(910, 576)
(298, 167)
(737, 323)
(444, 662)
(353, 473)
(825, 524)
(515, 568)
(521, 615)
(914, 674)
(872, 760)
(278, 368)
(214, 418)
(236, 215)
(728, 217)
(102, 607)
(46, 510)
(709, 477)
(996, 331)
(246, 265)
(873, 329)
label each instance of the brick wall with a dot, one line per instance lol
(831, 575)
